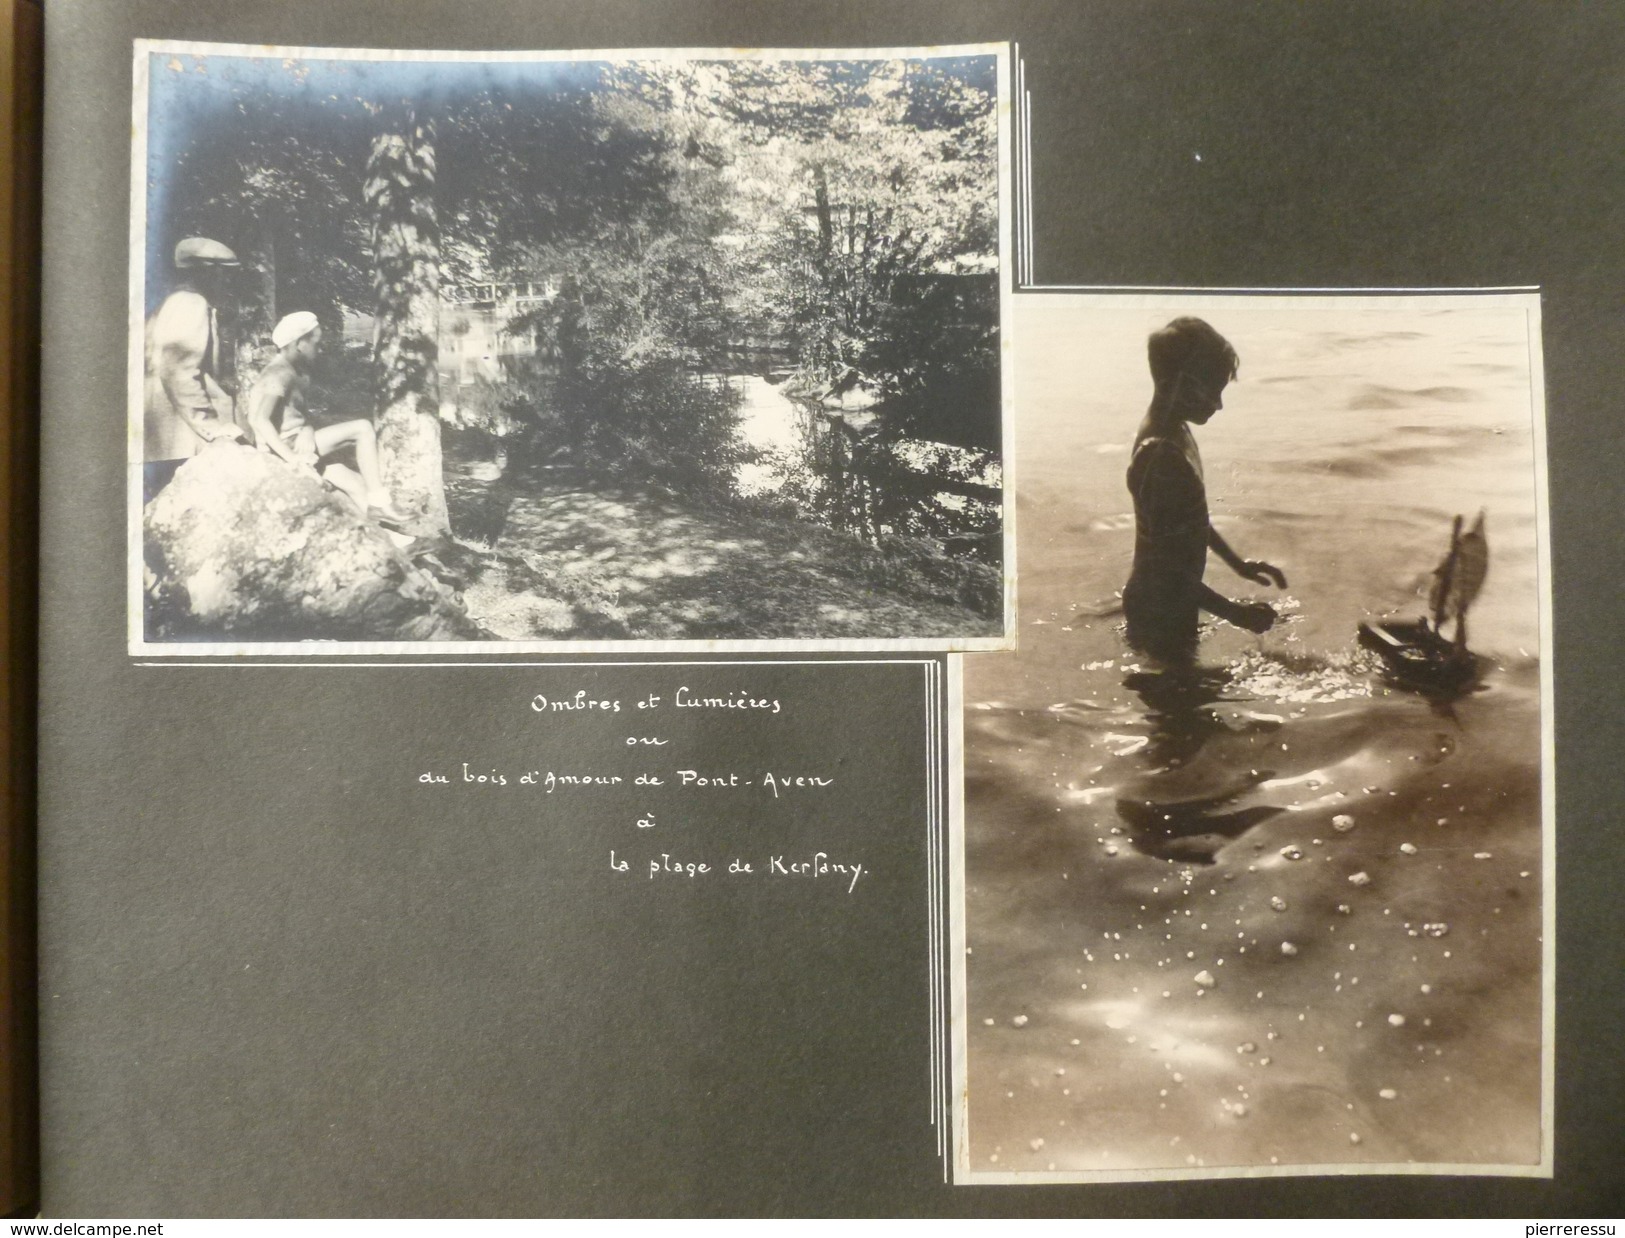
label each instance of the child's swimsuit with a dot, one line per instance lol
(1161, 599)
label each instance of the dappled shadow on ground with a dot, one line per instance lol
(564, 558)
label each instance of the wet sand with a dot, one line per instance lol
(1292, 915)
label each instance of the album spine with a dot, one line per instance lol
(21, 81)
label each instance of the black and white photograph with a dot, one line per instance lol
(1255, 854)
(460, 351)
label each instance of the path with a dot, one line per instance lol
(568, 559)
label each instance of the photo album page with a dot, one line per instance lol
(765, 611)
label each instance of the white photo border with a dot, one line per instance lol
(137, 644)
(1206, 300)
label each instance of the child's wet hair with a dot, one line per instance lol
(1188, 342)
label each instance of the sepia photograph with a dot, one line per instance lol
(436, 350)
(1254, 858)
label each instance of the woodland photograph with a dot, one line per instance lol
(537, 350)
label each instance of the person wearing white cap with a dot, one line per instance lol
(185, 405)
(277, 420)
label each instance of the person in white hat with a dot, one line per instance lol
(185, 405)
(277, 420)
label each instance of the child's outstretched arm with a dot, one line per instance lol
(1255, 570)
(1250, 616)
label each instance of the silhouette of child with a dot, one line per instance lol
(1191, 364)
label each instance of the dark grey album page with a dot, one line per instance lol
(281, 975)
(457, 940)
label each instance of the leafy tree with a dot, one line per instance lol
(250, 170)
(844, 207)
(864, 197)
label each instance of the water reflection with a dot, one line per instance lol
(850, 470)
(1284, 910)
(1165, 820)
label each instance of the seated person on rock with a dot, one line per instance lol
(1191, 364)
(276, 418)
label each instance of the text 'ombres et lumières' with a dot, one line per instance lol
(684, 698)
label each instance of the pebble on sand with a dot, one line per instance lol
(1342, 822)
(1408, 848)
(1482, 855)
(1036, 1144)
(1387, 1093)
(1204, 979)
(1277, 903)
(1354, 1136)
(1292, 853)
(1397, 1020)
(1288, 948)
(1020, 1020)
(1360, 879)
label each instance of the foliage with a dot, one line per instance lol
(917, 567)
(245, 170)
(891, 174)
(845, 209)
(640, 330)
(933, 353)
(652, 420)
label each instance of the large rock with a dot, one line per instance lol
(241, 545)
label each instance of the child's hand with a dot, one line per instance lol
(1261, 573)
(215, 431)
(1254, 616)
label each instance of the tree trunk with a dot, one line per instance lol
(829, 350)
(406, 277)
(826, 222)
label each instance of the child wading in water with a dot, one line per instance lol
(1191, 364)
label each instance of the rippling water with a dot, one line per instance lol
(1287, 914)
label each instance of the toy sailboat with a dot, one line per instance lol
(1416, 651)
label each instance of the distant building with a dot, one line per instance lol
(474, 318)
(474, 332)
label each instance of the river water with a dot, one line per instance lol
(1291, 915)
(770, 423)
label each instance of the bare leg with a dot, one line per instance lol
(347, 483)
(359, 432)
